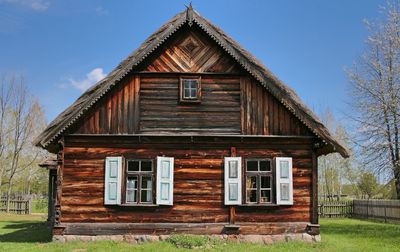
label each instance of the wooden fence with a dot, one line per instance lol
(18, 205)
(387, 210)
(334, 209)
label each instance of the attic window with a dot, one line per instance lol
(190, 89)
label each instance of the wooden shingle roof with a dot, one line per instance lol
(190, 17)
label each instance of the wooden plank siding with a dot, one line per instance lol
(218, 112)
(232, 101)
(191, 51)
(198, 186)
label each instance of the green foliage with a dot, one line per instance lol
(368, 184)
(190, 241)
(39, 206)
(29, 233)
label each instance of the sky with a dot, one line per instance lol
(63, 47)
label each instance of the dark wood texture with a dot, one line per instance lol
(314, 189)
(230, 104)
(263, 114)
(161, 111)
(186, 228)
(198, 186)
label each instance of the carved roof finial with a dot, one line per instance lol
(189, 14)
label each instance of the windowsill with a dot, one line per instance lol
(139, 205)
(190, 101)
(259, 205)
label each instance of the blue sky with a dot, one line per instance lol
(61, 47)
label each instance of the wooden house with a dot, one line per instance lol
(189, 134)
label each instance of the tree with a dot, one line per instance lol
(333, 170)
(21, 119)
(375, 94)
(368, 184)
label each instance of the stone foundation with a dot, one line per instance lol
(135, 239)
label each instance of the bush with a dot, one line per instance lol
(39, 206)
(191, 241)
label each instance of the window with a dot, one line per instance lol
(259, 181)
(139, 182)
(190, 89)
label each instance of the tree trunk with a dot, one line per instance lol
(397, 180)
(8, 197)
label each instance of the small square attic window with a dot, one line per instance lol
(190, 89)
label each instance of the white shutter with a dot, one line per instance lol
(165, 181)
(233, 180)
(284, 181)
(112, 183)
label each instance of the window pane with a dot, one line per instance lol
(186, 84)
(132, 183)
(146, 182)
(186, 93)
(165, 169)
(146, 196)
(233, 191)
(265, 182)
(265, 165)
(165, 191)
(284, 168)
(252, 166)
(284, 191)
(146, 166)
(131, 196)
(193, 93)
(265, 196)
(193, 84)
(133, 166)
(113, 169)
(233, 169)
(251, 182)
(251, 196)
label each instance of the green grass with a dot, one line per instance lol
(29, 233)
(39, 206)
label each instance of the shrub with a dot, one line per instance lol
(189, 241)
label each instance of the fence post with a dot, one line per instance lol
(28, 206)
(385, 212)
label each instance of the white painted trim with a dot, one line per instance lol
(169, 181)
(108, 180)
(237, 181)
(280, 181)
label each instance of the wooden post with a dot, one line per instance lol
(314, 215)
(232, 209)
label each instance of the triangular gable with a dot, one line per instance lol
(276, 87)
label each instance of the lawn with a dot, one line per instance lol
(29, 233)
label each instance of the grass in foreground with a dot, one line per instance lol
(29, 233)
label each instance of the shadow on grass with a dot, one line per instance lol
(22, 231)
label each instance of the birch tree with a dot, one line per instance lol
(375, 91)
(18, 126)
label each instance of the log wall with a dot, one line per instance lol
(198, 186)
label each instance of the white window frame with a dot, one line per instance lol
(288, 180)
(108, 179)
(161, 180)
(229, 180)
